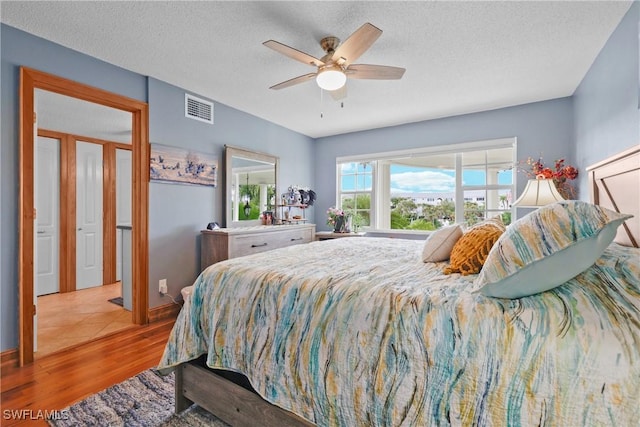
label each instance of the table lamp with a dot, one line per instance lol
(538, 192)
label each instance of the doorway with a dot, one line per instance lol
(96, 174)
(30, 81)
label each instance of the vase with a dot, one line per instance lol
(340, 224)
(348, 224)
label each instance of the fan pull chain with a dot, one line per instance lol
(321, 99)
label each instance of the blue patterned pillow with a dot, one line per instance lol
(546, 248)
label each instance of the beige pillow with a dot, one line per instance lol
(439, 244)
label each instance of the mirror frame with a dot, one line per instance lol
(231, 152)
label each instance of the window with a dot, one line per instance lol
(429, 188)
(356, 179)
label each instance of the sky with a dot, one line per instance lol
(408, 179)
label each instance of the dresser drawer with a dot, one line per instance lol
(253, 243)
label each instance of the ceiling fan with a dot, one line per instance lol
(336, 65)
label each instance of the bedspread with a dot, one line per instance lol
(356, 332)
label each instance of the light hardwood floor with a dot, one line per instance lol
(71, 318)
(58, 380)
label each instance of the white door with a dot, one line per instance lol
(123, 201)
(88, 215)
(47, 218)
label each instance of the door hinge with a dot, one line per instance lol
(34, 214)
(35, 118)
(35, 309)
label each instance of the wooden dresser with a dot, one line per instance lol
(225, 243)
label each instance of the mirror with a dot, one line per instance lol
(251, 183)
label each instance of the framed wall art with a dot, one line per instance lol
(179, 165)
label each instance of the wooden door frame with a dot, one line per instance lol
(30, 80)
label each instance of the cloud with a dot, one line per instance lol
(348, 167)
(422, 182)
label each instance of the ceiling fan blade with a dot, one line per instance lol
(292, 53)
(339, 94)
(374, 72)
(357, 43)
(294, 81)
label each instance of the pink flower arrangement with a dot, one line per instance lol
(333, 214)
(560, 174)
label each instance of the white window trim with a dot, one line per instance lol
(439, 149)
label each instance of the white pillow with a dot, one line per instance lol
(439, 244)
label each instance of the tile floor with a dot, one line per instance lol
(75, 317)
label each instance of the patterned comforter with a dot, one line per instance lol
(361, 332)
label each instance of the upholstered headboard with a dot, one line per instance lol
(615, 184)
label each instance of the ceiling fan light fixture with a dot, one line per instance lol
(331, 77)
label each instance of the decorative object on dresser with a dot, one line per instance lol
(226, 243)
(293, 203)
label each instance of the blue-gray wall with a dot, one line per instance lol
(541, 128)
(607, 117)
(177, 213)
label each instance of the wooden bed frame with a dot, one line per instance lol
(614, 183)
(229, 396)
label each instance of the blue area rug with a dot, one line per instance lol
(146, 400)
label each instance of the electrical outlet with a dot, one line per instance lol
(162, 286)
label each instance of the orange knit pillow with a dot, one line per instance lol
(471, 250)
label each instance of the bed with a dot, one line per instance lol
(362, 332)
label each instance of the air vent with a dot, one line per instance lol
(198, 109)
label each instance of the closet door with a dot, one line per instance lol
(47, 194)
(88, 215)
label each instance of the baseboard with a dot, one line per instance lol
(9, 359)
(167, 311)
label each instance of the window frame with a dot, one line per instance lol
(380, 188)
(356, 191)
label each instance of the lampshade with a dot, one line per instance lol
(538, 192)
(331, 77)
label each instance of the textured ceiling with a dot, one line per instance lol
(461, 57)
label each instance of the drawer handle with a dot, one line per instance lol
(258, 246)
(299, 238)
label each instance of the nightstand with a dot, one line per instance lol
(326, 235)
